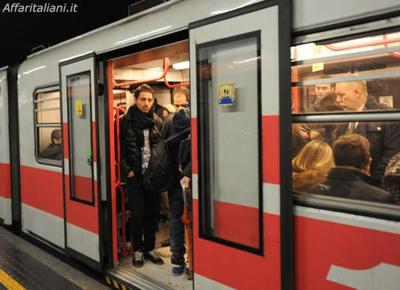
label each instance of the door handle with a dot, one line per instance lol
(89, 155)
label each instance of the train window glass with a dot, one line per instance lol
(330, 160)
(80, 140)
(48, 127)
(229, 117)
(346, 108)
(347, 72)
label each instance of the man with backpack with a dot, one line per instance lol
(174, 127)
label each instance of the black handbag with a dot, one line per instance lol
(160, 172)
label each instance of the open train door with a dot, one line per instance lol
(239, 65)
(80, 167)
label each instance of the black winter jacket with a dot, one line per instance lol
(53, 151)
(174, 125)
(350, 182)
(132, 138)
(384, 138)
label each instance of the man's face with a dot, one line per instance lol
(349, 96)
(180, 100)
(145, 101)
(57, 140)
(322, 90)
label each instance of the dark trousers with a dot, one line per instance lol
(145, 211)
(176, 227)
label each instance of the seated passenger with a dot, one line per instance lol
(54, 150)
(350, 177)
(391, 179)
(311, 165)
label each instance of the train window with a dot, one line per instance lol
(346, 121)
(81, 138)
(229, 128)
(48, 127)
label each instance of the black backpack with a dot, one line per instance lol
(160, 172)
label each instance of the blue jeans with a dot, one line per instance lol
(176, 228)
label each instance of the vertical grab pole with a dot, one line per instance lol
(112, 161)
(118, 186)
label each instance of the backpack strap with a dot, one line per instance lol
(170, 138)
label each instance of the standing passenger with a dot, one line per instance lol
(383, 137)
(322, 91)
(173, 126)
(142, 132)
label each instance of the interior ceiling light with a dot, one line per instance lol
(181, 65)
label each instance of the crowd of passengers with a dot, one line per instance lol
(357, 160)
(141, 130)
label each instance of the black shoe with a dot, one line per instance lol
(178, 270)
(153, 257)
(165, 243)
(137, 260)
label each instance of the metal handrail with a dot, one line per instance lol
(118, 185)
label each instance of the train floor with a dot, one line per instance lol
(25, 266)
(152, 276)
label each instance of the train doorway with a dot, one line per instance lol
(166, 70)
(80, 166)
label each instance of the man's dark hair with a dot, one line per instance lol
(55, 134)
(351, 150)
(145, 88)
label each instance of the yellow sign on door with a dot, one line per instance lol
(78, 108)
(226, 93)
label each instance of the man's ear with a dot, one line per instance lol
(368, 165)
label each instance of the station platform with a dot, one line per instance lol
(25, 266)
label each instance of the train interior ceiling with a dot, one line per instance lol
(164, 69)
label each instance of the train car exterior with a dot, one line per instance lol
(5, 187)
(251, 75)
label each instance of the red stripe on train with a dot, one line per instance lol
(237, 268)
(321, 244)
(5, 180)
(42, 189)
(270, 149)
(80, 214)
(246, 222)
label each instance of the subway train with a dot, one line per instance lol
(253, 68)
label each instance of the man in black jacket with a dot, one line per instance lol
(54, 150)
(383, 137)
(350, 177)
(141, 133)
(173, 126)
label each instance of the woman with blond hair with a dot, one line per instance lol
(311, 165)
